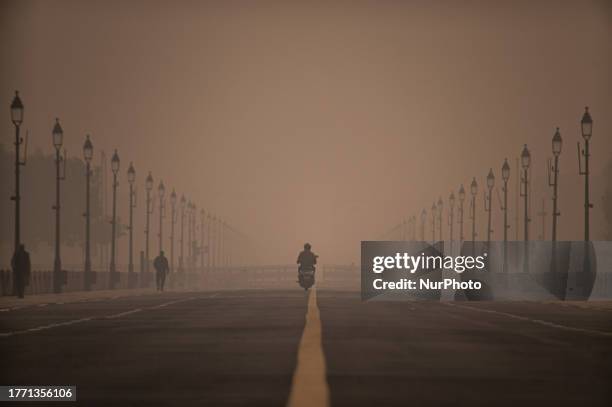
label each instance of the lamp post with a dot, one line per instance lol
(433, 222)
(586, 126)
(230, 244)
(131, 173)
(172, 223)
(439, 207)
(222, 244)
(505, 177)
(149, 211)
(58, 139)
(17, 119)
(194, 242)
(413, 220)
(209, 241)
(423, 220)
(161, 190)
(473, 191)
(189, 244)
(557, 144)
(182, 240)
(215, 243)
(488, 197)
(113, 269)
(525, 163)
(202, 217)
(461, 202)
(451, 217)
(219, 243)
(88, 155)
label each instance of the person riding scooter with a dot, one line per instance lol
(306, 261)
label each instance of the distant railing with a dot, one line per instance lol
(219, 278)
(41, 282)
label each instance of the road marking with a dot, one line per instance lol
(122, 314)
(309, 387)
(112, 316)
(536, 321)
(42, 328)
(75, 300)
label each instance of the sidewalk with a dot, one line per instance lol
(8, 303)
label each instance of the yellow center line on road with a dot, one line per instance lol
(309, 387)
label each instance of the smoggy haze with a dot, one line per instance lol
(310, 121)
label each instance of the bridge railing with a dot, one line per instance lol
(218, 278)
(41, 282)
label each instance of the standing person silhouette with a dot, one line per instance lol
(21, 270)
(161, 269)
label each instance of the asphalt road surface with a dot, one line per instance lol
(234, 348)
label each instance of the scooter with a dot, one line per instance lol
(306, 277)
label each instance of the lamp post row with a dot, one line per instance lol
(586, 125)
(59, 275)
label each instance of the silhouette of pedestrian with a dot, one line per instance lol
(161, 269)
(21, 270)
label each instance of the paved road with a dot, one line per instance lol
(240, 348)
(433, 354)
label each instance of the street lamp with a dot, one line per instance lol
(209, 241)
(113, 271)
(172, 223)
(423, 220)
(505, 170)
(161, 190)
(451, 216)
(182, 240)
(192, 240)
(433, 221)
(17, 119)
(131, 173)
(461, 201)
(439, 207)
(230, 245)
(557, 144)
(489, 195)
(221, 238)
(202, 217)
(88, 155)
(586, 125)
(58, 140)
(149, 211)
(223, 245)
(189, 242)
(214, 258)
(525, 163)
(505, 177)
(17, 110)
(473, 191)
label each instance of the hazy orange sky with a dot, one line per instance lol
(314, 121)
